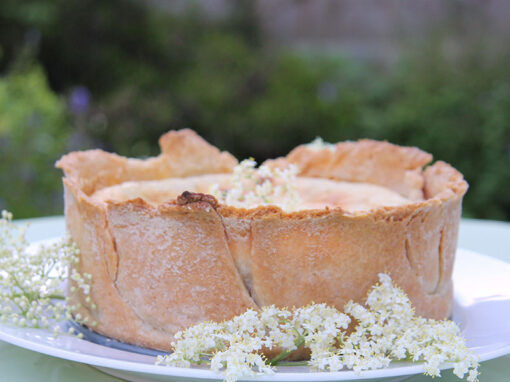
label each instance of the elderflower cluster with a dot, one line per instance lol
(252, 186)
(386, 329)
(319, 144)
(32, 280)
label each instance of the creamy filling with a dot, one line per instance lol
(314, 193)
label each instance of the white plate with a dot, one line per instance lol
(482, 308)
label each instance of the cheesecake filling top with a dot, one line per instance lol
(308, 193)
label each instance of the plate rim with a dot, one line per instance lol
(207, 374)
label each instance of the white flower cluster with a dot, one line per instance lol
(319, 144)
(32, 279)
(252, 186)
(386, 329)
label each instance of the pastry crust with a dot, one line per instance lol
(160, 267)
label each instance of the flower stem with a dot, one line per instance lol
(293, 363)
(284, 354)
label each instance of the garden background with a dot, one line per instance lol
(255, 78)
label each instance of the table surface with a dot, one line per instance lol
(20, 365)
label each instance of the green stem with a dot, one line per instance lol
(19, 285)
(293, 363)
(47, 272)
(55, 297)
(32, 296)
(199, 362)
(275, 361)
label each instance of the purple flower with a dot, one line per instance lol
(79, 100)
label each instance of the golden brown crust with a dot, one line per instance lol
(382, 163)
(88, 227)
(184, 153)
(175, 268)
(159, 268)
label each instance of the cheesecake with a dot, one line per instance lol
(174, 240)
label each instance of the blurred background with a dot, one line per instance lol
(255, 78)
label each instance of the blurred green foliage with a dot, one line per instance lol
(141, 71)
(33, 133)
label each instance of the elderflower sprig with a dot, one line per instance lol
(32, 280)
(386, 329)
(319, 144)
(252, 186)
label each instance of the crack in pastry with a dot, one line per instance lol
(86, 223)
(440, 264)
(174, 263)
